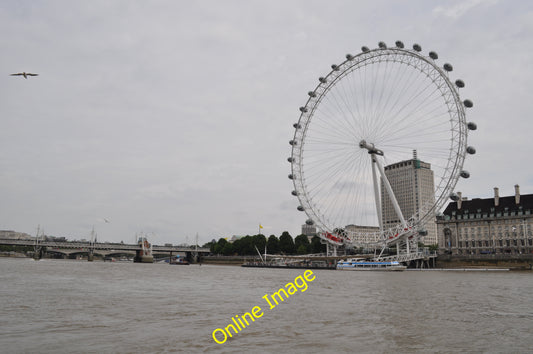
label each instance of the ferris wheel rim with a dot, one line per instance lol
(394, 55)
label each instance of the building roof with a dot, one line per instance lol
(412, 162)
(486, 205)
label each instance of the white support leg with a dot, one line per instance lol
(377, 193)
(391, 193)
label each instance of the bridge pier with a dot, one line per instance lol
(140, 257)
(38, 253)
(192, 257)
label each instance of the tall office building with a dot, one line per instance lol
(412, 182)
(309, 230)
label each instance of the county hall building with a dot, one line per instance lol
(498, 225)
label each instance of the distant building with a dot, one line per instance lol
(363, 234)
(498, 225)
(309, 230)
(234, 238)
(13, 235)
(412, 182)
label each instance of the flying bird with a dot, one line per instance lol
(24, 74)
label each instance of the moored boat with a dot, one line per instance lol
(178, 260)
(362, 264)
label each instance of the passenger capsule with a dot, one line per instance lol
(291, 176)
(382, 45)
(335, 67)
(292, 142)
(459, 83)
(300, 208)
(295, 193)
(448, 67)
(471, 150)
(349, 56)
(465, 174)
(322, 80)
(454, 197)
(311, 94)
(290, 159)
(399, 44)
(468, 103)
(472, 126)
(433, 55)
(309, 222)
(417, 47)
(365, 49)
(303, 109)
(297, 126)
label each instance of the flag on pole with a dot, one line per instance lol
(260, 226)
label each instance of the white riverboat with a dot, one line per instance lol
(362, 264)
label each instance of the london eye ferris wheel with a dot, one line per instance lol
(375, 109)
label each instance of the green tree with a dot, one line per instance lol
(210, 245)
(273, 244)
(238, 246)
(286, 243)
(317, 246)
(302, 240)
(244, 246)
(302, 249)
(219, 246)
(227, 250)
(260, 241)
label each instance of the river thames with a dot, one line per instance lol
(63, 306)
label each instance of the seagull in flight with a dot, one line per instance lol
(24, 74)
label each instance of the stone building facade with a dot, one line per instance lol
(362, 235)
(498, 225)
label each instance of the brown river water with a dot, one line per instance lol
(66, 306)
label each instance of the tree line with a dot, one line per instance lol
(249, 245)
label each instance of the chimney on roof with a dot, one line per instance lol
(460, 200)
(517, 194)
(496, 196)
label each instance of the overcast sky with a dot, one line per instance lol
(173, 117)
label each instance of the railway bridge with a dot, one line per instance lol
(68, 248)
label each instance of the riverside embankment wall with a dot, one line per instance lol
(518, 262)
